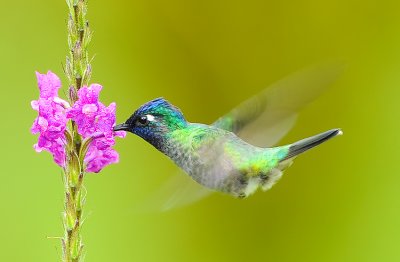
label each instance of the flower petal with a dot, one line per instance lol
(48, 84)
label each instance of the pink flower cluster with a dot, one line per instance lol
(94, 120)
(97, 121)
(52, 119)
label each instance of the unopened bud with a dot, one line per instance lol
(73, 96)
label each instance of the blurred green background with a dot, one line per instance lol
(339, 202)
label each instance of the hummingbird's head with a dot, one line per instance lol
(153, 121)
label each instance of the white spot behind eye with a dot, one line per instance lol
(150, 117)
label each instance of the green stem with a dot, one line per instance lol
(78, 72)
(74, 201)
(77, 68)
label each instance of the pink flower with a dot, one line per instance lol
(97, 159)
(97, 121)
(51, 122)
(85, 111)
(94, 120)
(48, 84)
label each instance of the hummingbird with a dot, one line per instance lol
(213, 155)
(238, 153)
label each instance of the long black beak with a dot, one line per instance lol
(120, 127)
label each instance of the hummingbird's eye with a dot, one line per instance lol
(142, 121)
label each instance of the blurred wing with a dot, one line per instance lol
(268, 116)
(179, 190)
(262, 120)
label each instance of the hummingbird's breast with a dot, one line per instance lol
(218, 159)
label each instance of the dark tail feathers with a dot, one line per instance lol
(308, 143)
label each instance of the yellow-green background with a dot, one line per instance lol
(339, 202)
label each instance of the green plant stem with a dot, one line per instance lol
(78, 72)
(74, 201)
(77, 68)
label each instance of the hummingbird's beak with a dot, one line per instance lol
(120, 127)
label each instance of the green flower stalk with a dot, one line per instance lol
(78, 72)
(75, 198)
(77, 67)
(79, 133)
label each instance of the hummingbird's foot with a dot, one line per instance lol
(244, 182)
(242, 195)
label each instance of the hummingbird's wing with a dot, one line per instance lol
(265, 118)
(261, 120)
(178, 190)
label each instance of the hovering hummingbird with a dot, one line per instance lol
(213, 156)
(234, 155)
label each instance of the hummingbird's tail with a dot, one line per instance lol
(308, 143)
(294, 150)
